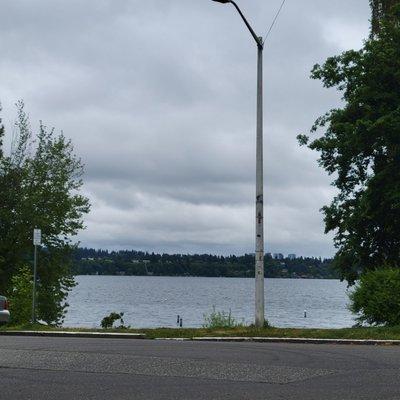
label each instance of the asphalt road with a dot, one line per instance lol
(72, 368)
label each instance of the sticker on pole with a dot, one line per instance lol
(37, 237)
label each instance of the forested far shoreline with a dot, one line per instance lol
(88, 261)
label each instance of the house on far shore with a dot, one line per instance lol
(278, 256)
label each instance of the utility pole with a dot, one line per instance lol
(37, 240)
(259, 254)
(259, 269)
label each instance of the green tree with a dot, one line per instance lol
(381, 10)
(40, 182)
(360, 147)
(376, 298)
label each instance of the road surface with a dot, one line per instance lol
(72, 368)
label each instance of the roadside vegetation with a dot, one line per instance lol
(223, 324)
(40, 182)
(359, 145)
(220, 319)
(108, 321)
(377, 333)
(376, 298)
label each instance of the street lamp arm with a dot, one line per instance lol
(256, 38)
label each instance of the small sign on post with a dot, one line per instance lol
(37, 237)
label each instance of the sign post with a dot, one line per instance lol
(37, 241)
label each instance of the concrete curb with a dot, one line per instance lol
(97, 335)
(359, 342)
(365, 342)
(115, 335)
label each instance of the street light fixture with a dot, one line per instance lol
(259, 255)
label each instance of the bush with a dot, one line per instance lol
(108, 321)
(219, 319)
(21, 297)
(376, 298)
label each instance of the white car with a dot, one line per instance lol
(4, 313)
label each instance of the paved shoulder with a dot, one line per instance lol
(81, 368)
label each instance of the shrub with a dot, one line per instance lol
(108, 321)
(376, 298)
(21, 297)
(219, 319)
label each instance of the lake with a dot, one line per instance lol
(156, 301)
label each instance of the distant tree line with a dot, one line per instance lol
(102, 262)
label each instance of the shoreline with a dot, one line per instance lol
(213, 277)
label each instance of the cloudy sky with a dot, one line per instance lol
(158, 97)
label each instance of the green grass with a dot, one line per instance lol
(392, 333)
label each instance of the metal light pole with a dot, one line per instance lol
(259, 255)
(34, 285)
(37, 240)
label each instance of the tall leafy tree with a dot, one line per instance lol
(359, 145)
(381, 11)
(40, 187)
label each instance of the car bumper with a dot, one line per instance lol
(4, 316)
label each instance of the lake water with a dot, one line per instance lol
(156, 301)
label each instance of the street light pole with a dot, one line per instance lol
(259, 267)
(37, 240)
(259, 254)
(34, 285)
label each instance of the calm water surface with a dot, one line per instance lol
(156, 301)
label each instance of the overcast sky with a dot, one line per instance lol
(158, 97)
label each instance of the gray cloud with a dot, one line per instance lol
(159, 99)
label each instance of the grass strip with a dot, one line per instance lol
(377, 333)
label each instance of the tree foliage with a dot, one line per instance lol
(376, 298)
(381, 10)
(138, 263)
(40, 181)
(109, 321)
(21, 296)
(360, 147)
